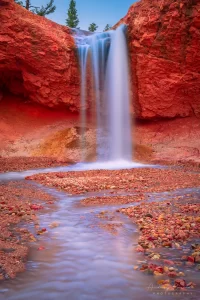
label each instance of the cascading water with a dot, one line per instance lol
(108, 55)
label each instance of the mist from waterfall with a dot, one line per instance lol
(107, 56)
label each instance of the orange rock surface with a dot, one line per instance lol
(164, 42)
(37, 58)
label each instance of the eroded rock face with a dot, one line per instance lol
(164, 42)
(37, 58)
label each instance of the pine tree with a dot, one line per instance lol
(93, 27)
(107, 27)
(48, 9)
(72, 19)
(28, 4)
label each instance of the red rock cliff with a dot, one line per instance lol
(164, 41)
(37, 58)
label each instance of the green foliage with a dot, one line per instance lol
(27, 3)
(19, 2)
(93, 27)
(107, 27)
(72, 19)
(41, 11)
(48, 9)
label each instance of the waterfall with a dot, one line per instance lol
(108, 55)
(83, 54)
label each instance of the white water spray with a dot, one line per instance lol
(117, 94)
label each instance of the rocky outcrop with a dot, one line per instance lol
(37, 58)
(28, 129)
(164, 42)
(174, 140)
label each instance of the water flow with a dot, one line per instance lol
(83, 54)
(110, 73)
(117, 80)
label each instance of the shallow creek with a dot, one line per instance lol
(83, 261)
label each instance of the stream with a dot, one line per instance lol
(80, 260)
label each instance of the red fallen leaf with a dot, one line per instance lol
(180, 283)
(189, 264)
(162, 281)
(167, 244)
(41, 231)
(184, 257)
(168, 262)
(191, 285)
(139, 249)
(36, 206)
(143, 267)
(197, 259)
(190, 259)
(160, 270)
(172, 274)
(153, 267)
(41, 248)
(150, 238)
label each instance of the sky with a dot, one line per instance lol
(101, 12)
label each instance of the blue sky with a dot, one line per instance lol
(99, 11)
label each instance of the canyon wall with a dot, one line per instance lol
(37, 58)
(39, 86)
(164, 43)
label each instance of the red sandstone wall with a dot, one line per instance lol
(37, 58)
(164, 42)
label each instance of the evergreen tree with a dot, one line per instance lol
(107, 27)
(28, 4)
(72, 19)
(93, 27)
(48, 9)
